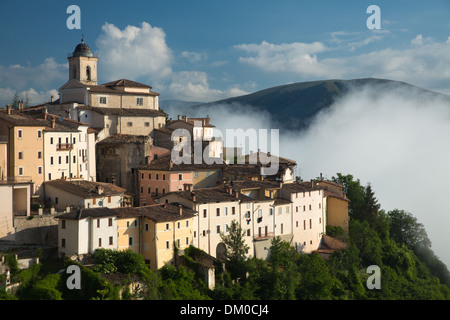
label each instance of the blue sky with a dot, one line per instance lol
(207, 50)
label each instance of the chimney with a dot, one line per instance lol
(53, 122)
(179, 117)
(185, 118)
(8, 108)
(180, 209)
(99, 189)
(312, 183)
(194, 197)
(51, 98)
(237, 194)
(321, 178)
(20, 104)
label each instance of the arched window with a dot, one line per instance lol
(88, 73)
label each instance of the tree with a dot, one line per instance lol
(404, 228)
(236, 250)
(15, 102)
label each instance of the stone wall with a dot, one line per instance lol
(36, 230)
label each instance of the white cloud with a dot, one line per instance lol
(425, 63)
(194, 86)
(41, 76)
(35, 97)
(294, 57)
(193, 56)
(134, 52)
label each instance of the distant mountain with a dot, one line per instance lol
(174, 103)
(294, 105)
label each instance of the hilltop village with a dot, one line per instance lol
(93, 169)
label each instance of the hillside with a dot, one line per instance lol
(294, 105)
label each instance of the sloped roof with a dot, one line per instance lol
(88, 213)
(86, 189)
(158, 213)
(126, 83)
(207, 195)
(165, 164)
(125, 112)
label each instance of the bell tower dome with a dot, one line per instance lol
(83, 64)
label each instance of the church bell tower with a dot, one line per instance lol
(83, 64)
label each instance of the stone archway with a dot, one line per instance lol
(220, 251)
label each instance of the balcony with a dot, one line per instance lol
(263, 236)
(64, 146)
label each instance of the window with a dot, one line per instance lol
(19, 133)
(99, 242)
(320, 206)
(146, 227)
(110, 241)
(49, 176)
(20, 156)
(130, 241)
(157, 176)
(129, 124)
(140, 101)
(147, 124)
(178, 224)
(59, 160)
(310, 223)
(39, 134)
(39, 170)
(167, 226)
(88, 73)
(149, 190)
(94, 201)
(287, 209)
(67, 159)
(304, 208)
(63, 224)
(248, 232)
(164, 177)
(98, 223)
(178, 243)
(280, 210)
(102, 100)
(281, 231)
(304, 224)
(226, 211)
(309, 207)
(187, 223)
(296, 209)
(180, 176)
(195, 174)
(204, 213)
(63, 243)
(187, 240)
(271, 211)
(128, 224)
(51, 140)
(142, 189)
(218, 229)
(218, 212)
(233, 210)
(20, 171)
(149, 176)
(167, 244)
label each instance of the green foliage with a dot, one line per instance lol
(180, 284)
(46, 289)
(236, 249)
(125, 261)
(334, 231)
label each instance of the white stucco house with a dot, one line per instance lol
(85, 230)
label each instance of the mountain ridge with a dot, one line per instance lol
(295, 105)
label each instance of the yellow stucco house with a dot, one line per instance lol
(154, 231)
